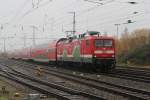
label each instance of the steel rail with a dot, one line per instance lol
(110, 90)
(133, 92)
(56, 86)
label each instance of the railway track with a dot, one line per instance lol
(126, 91)
(61, 92)
(123, 73)
(113, 88)
(134, 71)
(134, 68)
(36, 86)
(137, 75)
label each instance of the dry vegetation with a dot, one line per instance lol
(134, 47)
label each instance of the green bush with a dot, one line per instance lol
(140, 55)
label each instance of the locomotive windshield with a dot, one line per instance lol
(103, 43)
(107, 43)
(98, 43)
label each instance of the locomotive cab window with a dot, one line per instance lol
(108, 43)
(103, 43)
(98, 43)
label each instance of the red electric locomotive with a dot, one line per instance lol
(88, 49)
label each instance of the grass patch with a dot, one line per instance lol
(3, 98)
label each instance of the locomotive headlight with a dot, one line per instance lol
(98, 51)
(110, 51)
(113, 56)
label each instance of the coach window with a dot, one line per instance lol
(87, 43)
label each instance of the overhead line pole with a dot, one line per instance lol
(117, 30)
(33, 39)
(24, 37)
(4, 39)
(74, 23)
(24, 40)
(34, 36)
(4, 45)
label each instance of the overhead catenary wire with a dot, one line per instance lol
(104, 20)
(39, 6)
(81, 12)
(108, 22)
(42, 5)
(32, 9)
(134, 2)
(19, 10)
(97, 24)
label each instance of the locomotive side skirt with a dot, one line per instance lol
(71, 58)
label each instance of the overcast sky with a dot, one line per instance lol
(51, 18)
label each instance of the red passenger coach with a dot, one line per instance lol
(44, 52)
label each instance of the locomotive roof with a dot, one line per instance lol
(92, 32)
(98, 37)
